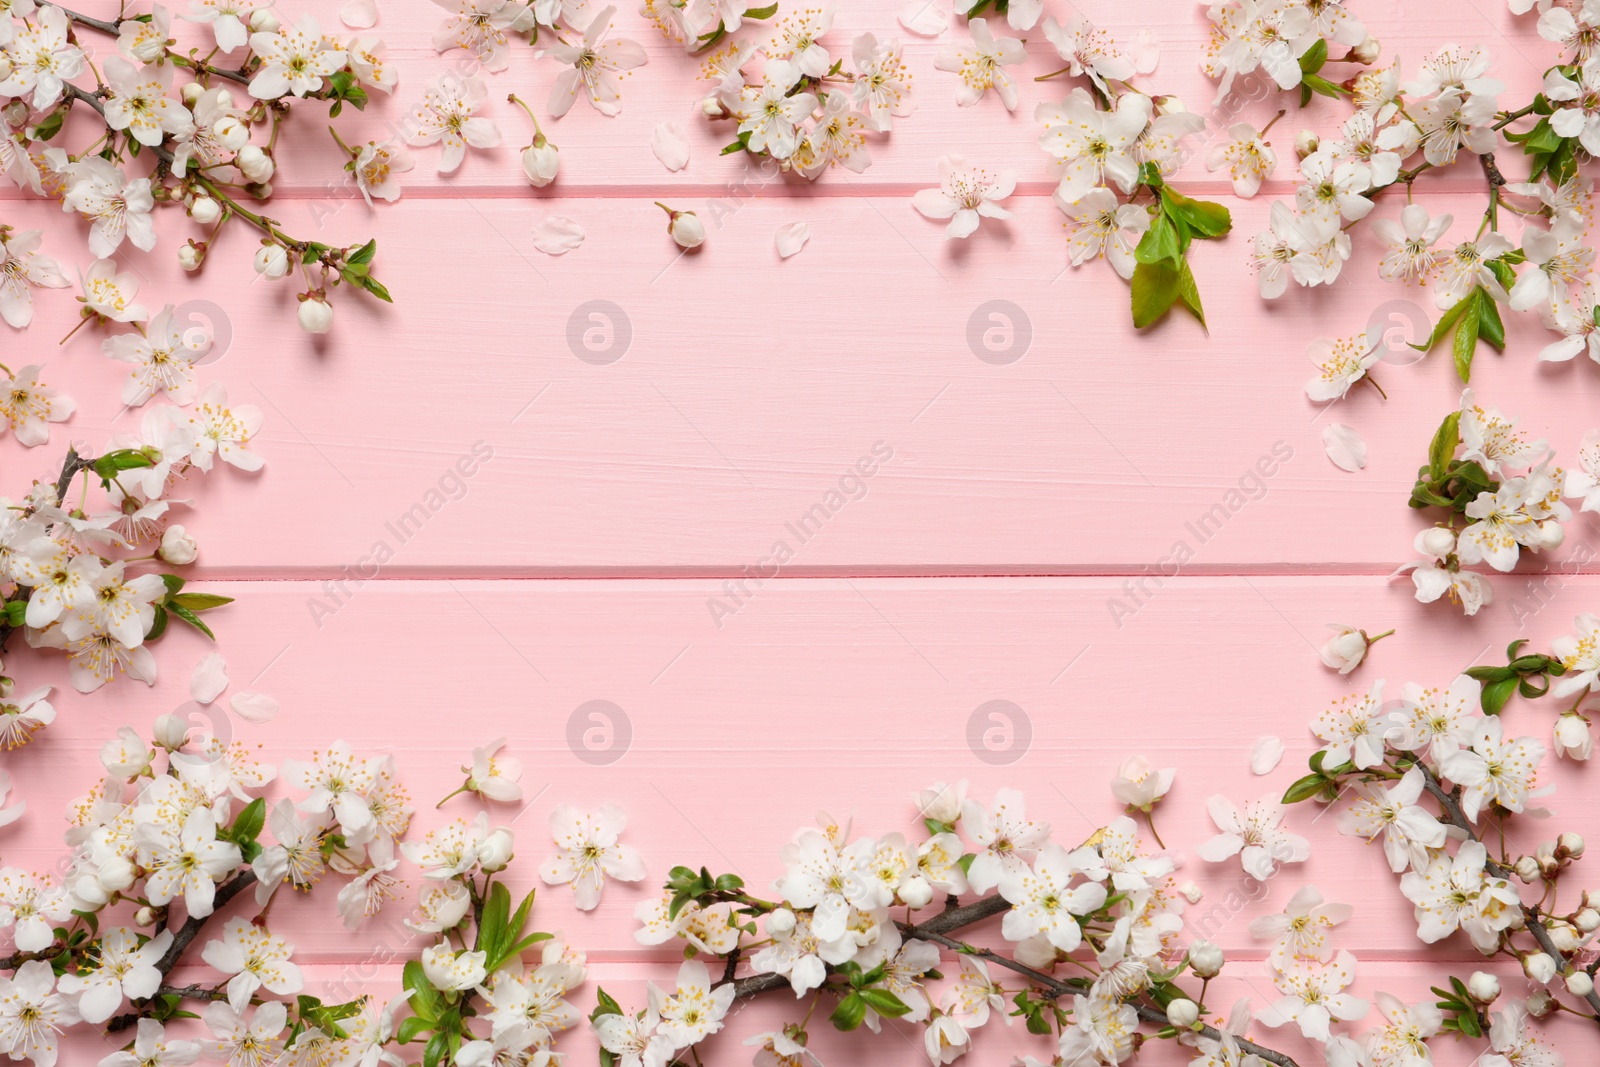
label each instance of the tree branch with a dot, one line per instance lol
(182, 937)
(937, 930)
(1451, 806)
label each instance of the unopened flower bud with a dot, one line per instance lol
(231, 132)
(1587, 920)
(1191, 892)
(1367, 51)
(224, 98)
(144, 917)
(916, 893)
(1169, 105)
(1527, 869)
(205, 210)
(1540, 966)
(254, 163)
(1565, 937)
(1579, 984)
(1436, 541)
(192, 91)
(1305, 143)
(264, 21)
(316, 314)
(1182, 1013)
(711, 107)
(684, 227)
(125, 756)
(272, 261)
(171, 732)
(1205, 958)
(259, 190)
(1551, 534)
(177, 546)
(780, 921)
(1569, 845)
(1540, 1003)
(1483, 987)
(541, 161)
(192, 255)
(497, 850)
(115, 874)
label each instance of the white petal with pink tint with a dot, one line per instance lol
(792, 237)
(670, 145)
(1345, 447)
(359, 14)
(1266, 754)
(210, 679)
(254, 707)
(557, 235)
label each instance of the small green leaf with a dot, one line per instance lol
(1442, 327)
(1497, 694)
(850, 1013)
(1314, 57)
(1155, 289)
(247, 825)
(760, 13)
(1490, 326)
(884, 1002)
(1160, 242)
(1304, 789)
(191, 618)
(199, 601)
(1465, 343)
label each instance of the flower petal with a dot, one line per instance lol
(792, 237)
(1265, 755)
(557, 235)
(670, 145)
(1345, 447)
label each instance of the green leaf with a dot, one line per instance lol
(173, 583)
(191, 618)
(1160, 242)
(426, 1001)
(1314, 57)
(1490, 326)
(365, 253)
(158, 624)
(1304, 789)
(199, 601)
(1442, 449)
(761, 12)
(1465, 343)
(435, 1049)
(16, 612)
(247, 825)
(1155, 289)
(1497, 694)
(1203, 216)
(884, 1002)
(1189, 293)
(375, 287)
(492, 934)
(850, 1013)
(1442, 327)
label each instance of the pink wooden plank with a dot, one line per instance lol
(736, 404)
(819, 693)
(612, 156)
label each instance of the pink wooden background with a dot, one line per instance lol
(980, 564)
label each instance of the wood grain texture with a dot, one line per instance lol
(1020, 544)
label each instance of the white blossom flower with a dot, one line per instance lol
(32, 1013)
(111, 295)
(1006, 837)
(28, 406)
(138, 102)
(187, 861)
(1247, 158)
(1102, 1030)
(1557, 257)
(882, 90)
(1440, 721)
(126, 969)
(254, 958)
(1254, 834)
(771, 113)
(799, 39)
(1342, 362)
(1466, 266)
(222, 431)
(1330, 191)
(448, 852)
(633, 1039)
(442, 906)
(1513, 1045)
(42, 59)
(1139, 785)
(31, 907)
(588, 852)
(479, 27)
(1409, 254)
(446, 117)
(1581, 119)
(1044, 901)
(117, 208)
(1300, 931)
(598, 65)
(1580, 655)
(1402, 1041)
(693, 1011)
(1314, 996)
(965, 196)
(1288, 249)
(152, 1049)
(1088, 51)
(1102, 225)
(1494, 770)
(375, 166)
(229, 19)
(1408, 829)
(944, 1039)
(981, 63)
(1457, 893)
(294, 59)
(1095, 147)
(163, 357)
(450, 970)
(23, 269)
(974, 996)
(25, 716)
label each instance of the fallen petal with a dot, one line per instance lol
(557, 235)
(210, 678)
(926, 18)
(670, 145)
(1345, 447)
(792, 237)
(359, 14)
(253, 707)
(1265, 755)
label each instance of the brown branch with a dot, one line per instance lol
(1450, 804)
(111, 28)
(937, 930)
(181, 939)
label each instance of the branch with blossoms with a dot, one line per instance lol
(1448, 115)
(1385, 760)
(84, 557)
(204, 156)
